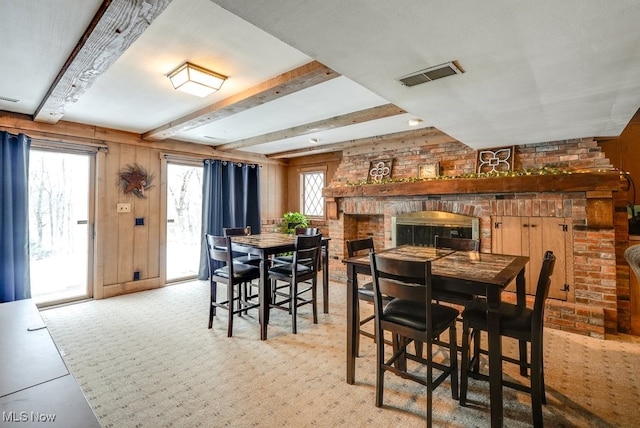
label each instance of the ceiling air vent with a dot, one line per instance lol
(429, 74)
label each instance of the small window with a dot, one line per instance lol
(311, 193)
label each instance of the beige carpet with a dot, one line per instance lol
(148, 360)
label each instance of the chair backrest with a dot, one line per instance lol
(403, 279)
(307, 252)
(307, 231)
(542, 289)
(354, 246)
(458, 244)
(218, 252)
(236, 231)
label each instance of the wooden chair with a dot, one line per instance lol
(457, 244)
(222, 269)
(249, 259)
(517, 322)
(365, 291)
(411, 316)
(288, 258)
(302, 271)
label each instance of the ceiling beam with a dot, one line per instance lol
(350, 144)
(287, 83)
(361, 116)
(116, 25)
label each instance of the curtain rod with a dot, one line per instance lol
(239, 163)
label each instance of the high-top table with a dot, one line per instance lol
(265, 245)
(480, 274)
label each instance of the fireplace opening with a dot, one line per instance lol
(420, 228)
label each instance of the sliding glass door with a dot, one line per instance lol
(59, 225)
(184, 219)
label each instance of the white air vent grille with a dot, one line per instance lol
(429, 74)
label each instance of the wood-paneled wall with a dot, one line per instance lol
(624, 153)
(122, 248)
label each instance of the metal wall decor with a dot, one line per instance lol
(495, 160)
(379, 170)
(135, 179)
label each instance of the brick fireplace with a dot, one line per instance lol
(598, 305)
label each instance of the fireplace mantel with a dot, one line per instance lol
(607, 181)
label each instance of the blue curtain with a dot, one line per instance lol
(14, 217)
(230, 198)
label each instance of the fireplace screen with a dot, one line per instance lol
(420, 228)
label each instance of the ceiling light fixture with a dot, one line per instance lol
(313, 140)
(196, 80)
(414, 122)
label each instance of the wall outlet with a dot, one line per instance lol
(136, 275)
(123, 207)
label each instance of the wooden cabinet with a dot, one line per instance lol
(532, 236)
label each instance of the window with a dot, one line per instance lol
(312, 201)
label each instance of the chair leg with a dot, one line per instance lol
(380, 367)
(537, 389)
(293, 305)
(476, 336)
(314, 297)
(429, 358)
(401, 361)
(212, 308)
(464, 365)
(522, 347)
(357, 314)
(418, 346)
(230, 306)
(453, 361)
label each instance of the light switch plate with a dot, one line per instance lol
(123, 208)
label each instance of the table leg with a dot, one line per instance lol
(325, 278)
(352, 329)
(264, 299)
(495, 356)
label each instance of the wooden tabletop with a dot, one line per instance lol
(489, 268)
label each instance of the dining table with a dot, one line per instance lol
(266, 245)
(469, 272)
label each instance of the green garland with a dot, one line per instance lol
(545, 170)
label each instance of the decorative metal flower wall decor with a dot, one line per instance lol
(379, 170)
(135, 179)
(495, 160)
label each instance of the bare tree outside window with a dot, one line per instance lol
(58, 224)
(184, 216)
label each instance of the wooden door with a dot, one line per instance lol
(531, 237)
(557, 236)
(507, 238)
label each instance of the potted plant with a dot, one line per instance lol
(293, 220)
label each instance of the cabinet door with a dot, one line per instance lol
(531, 237)
(557, 236)
(507, 238)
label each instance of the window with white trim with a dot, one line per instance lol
(311, 199)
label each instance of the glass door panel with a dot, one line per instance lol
(184, 218)
(59, 189)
